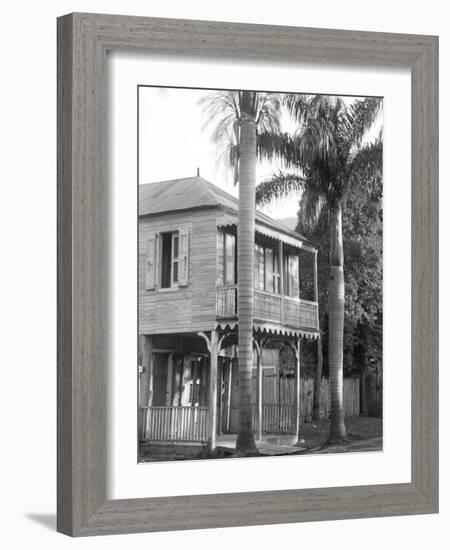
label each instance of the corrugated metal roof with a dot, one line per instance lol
(195, 192)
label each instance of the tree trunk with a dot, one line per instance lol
(336, 328)
(318, 380)
(245, 444)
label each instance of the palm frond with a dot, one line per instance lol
(278, 187)
(362, 115)
(224, 110)
(277, 146)
(366, 167)
(312, 205)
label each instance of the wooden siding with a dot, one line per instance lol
(185, 309)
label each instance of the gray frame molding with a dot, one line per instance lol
(83, 40)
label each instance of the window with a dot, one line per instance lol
(267, 269)
(291, 279)
(167, 263)
(272, 264)
(169, 259)
(230, 259)
(259, 267)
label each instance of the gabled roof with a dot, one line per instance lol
(196, 192)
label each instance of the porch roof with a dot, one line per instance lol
(269, 230)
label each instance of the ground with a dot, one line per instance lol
(364, 434)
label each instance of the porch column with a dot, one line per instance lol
(213, 343)
(296, 349)
(259, 419)
(213, 351)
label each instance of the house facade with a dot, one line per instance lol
(188, 324)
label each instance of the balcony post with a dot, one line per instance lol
(281, 260)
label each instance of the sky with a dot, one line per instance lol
(173, 143)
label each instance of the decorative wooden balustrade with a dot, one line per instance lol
(177, 424)
(269, 307)
(192, 424)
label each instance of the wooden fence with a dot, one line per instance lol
(286, 390)
(276, 418)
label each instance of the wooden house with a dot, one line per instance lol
(188, 359)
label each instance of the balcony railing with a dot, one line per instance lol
(274, 308)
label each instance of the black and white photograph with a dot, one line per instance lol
(260, 288)
(230, 337)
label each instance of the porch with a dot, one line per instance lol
(189, 388)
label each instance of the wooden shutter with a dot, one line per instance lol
(151, 261)
(183, 254)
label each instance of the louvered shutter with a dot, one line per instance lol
(151, 262)
(183, 265)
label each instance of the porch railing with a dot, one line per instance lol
(176, 424)
(270, 307)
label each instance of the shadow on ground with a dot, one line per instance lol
(364, 433)
(46, 520)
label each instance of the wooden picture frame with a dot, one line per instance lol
(83, 40)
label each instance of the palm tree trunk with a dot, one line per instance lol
(318, 380)
(245, 443)
(336, 327)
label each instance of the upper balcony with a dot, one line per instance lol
(285, 311)
(285, 281)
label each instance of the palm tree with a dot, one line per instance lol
(330, 159)
(238, 116)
